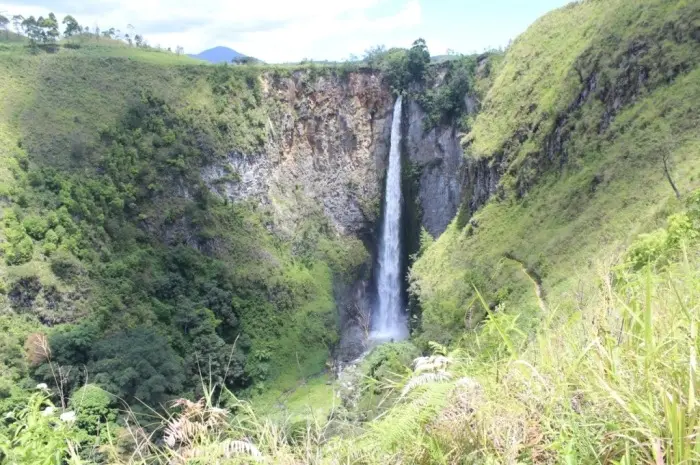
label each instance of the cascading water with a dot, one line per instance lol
(389, 322)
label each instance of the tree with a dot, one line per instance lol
(50, 28)
(3, 25)
(138, 364)
(418, 60)
(72, 26)
(32, 30)
(373, 56)
(17, 22)
(179, 50)
(129, 36)
(138, 38)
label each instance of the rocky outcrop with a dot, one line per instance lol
(325, 156)
(28, 295)
(326, 150)
(354, 311)
(438, 157)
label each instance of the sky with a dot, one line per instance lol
(291, 30)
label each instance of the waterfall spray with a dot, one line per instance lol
(389, 319)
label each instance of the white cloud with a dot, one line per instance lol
(273, 30)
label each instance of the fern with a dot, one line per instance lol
(425, 378)
(432, 363)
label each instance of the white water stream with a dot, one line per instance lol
(389, 321)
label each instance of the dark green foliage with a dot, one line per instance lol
(446, 102)
(390, 361)
(401, 67)
(417, 60)
(93, 407)
(138, 365)
(65, 265)
(71, 345)
(128, 224)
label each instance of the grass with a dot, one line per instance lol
(550, 341)
(55, 112)
(312, 399)
(614, 382)
(611, 188)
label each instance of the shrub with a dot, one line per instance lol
(138, 365)
(93, 406)
(65, 265)
(19, 252)
(35, 226)
(39, 435)
(389, 360)
(648, 248)
(662, 244)
(19, 247)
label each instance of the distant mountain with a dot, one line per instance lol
(218, 55)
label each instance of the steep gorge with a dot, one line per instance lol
(272, 180)
(171, 230)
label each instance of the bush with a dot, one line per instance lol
(138, 365)
(391, 359)
(65, 265)
(93, 406)
(19, 247)
(35, 226)
(19, 252)
(647, 249)
(38, 435)
(662, 244)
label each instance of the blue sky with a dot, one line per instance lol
(284, 30)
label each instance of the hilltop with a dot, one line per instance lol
(219, 55)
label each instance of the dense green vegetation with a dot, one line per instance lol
(559, 321)
(114, 250)
(440, 87)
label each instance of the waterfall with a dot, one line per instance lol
(389, 319)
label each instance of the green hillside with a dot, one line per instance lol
(584, 108)
(112, 240)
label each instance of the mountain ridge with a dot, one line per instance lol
(219, 54)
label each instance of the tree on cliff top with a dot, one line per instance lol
(3, 24)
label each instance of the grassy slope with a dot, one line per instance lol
(612, 185)
(53, 106)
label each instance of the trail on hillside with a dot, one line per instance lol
(534, 277)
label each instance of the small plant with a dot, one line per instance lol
(39, 433)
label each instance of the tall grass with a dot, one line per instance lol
(614, 383)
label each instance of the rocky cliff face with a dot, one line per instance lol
(438, 157)
(325, 158)
(326, 150)
(326, 154)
